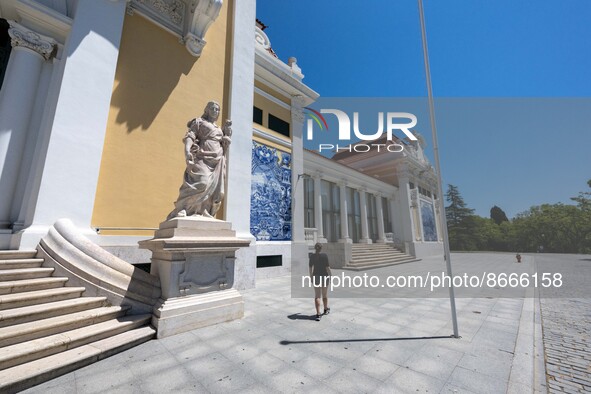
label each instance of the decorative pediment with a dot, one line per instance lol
(188, 19)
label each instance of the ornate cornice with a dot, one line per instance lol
(189, 19)
(202, 14)
(20, 36)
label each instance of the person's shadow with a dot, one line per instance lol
(299, 316)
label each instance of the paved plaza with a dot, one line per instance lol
(567, 326)
(390, 345)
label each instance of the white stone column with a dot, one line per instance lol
(17, 98)
(416, 196)
(364, 225)
(380, 214)
(396, 225)
(344, 219)
(237, 203)
(437, 219)
(405, 211)
(318, 208)
(35, 141)
(297, 169)
(71, 169)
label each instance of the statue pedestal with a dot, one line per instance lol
(194, 258)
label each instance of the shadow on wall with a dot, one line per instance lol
(150, 66)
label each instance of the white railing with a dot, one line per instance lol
(311, 235)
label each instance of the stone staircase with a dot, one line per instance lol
(370, 256)
(48, 328)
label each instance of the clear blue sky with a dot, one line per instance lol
(530, 145)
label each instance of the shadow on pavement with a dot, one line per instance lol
(285, 342)
(298, 316)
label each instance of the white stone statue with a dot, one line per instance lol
(206, 147)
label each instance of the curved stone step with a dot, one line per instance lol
(39, 328)
(372, 246)
(19, 286)
(25, 352)
(380, 260)
(379, 265)
(17, 300)
(44, 311)
(17, 254)
(379, 253)
(388, 248)
(27, 375)
(25, 273)
(20, 263)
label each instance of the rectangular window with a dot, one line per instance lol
(331, 218)
(354, 214)
(387, 215)
(309, 203)
(278, 125)
(257, 115)
(269, 261)
(372, 217)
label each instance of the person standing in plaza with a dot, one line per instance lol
(320, 275)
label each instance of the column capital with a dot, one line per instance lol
(21, 36)
(298, 101)
(297, 108)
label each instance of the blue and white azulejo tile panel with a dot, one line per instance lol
(428, 216)
(270, 195)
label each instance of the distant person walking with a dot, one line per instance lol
(320, 276)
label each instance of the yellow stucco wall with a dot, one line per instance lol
(158, 87)
(268, 142)
(267, 89)
(270, 107)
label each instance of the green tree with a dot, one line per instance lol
(583, 200)
(461, 221)
(498, 215)
(457, 210)
(558, 228)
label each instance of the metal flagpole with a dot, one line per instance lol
(442, 217)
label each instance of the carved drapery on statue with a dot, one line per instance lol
(206, 147)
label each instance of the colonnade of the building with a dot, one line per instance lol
(345, 231)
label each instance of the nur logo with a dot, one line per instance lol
(345, 124)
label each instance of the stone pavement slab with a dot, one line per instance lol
(567, 326)
(365, 345)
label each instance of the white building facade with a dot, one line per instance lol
(78, 118)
